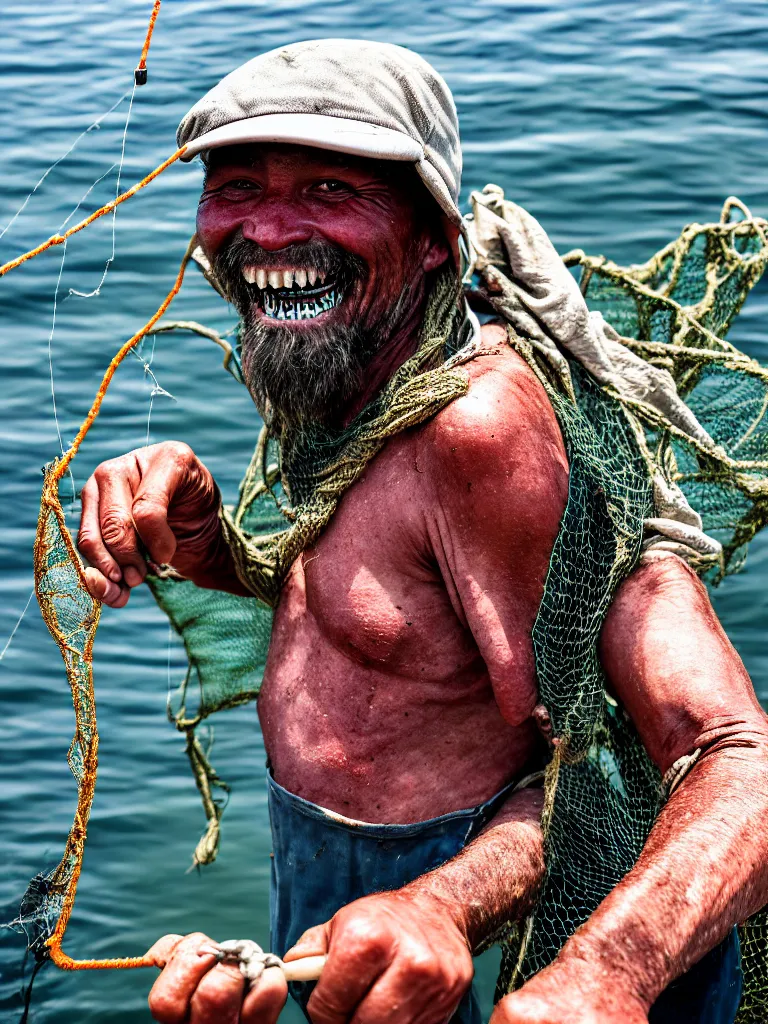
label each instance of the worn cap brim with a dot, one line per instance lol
(340, 134)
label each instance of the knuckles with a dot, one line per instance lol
(117, 531)
(87, 543)
(124, 466)
(364, 936)
(148, 509)
(166, 1007)
(216, 993)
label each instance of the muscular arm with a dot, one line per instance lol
(494, 881)
(397, 956)
(705, 864)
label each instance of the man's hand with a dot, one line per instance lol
(392, 957)
(570, 993)
(159, 500)
(194, 989)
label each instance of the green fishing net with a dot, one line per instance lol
(602, 791)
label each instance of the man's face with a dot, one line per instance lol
(324, 256)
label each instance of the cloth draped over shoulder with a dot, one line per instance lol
(665, 428)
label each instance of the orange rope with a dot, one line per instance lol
(50, 501)
(59, 239)
(86, 787)
(152, 19)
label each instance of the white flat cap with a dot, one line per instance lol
(346, 95)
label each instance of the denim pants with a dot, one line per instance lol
(322, 861)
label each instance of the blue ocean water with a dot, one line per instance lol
(614, 123)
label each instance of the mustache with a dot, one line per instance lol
(344, 267)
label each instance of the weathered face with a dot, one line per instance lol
(325, 257)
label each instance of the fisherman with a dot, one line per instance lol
(399, 706)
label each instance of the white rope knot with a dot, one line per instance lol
(253, 961)
(248, 955)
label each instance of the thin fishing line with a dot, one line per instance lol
(91, 127)
(50, 348)
(157, 388)
(110, 261)
(18, 623)
(53, 323)
(86, 194)
(168, 661)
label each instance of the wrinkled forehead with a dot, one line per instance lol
(309, 159)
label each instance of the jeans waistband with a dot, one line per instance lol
(381, 830)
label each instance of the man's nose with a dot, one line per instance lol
(277, 224)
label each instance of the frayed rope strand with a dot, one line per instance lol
(59, 239)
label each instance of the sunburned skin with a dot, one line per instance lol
(400, 679)
(396, 687)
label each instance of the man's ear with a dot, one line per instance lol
(443, 246)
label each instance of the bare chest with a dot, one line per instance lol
(371, 589)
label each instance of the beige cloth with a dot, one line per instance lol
(541, 300)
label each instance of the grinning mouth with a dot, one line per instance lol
(297, 293)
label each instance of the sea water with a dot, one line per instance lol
(614, 123)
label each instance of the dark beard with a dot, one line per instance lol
(298, 377)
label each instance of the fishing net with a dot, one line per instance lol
(602, 791)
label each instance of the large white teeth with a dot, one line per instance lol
(277, 279)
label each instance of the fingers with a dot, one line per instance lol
(161, 500)
(314, 942)
(218, 996)
(265, 999)
(171, 995)
(114, 594)
(104, 577)
(162, 951)
(358, 954)
(118, 481)
(107, 537)
(149, 509)
(419, 988)
(388, 959)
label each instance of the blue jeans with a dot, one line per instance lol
(322, 861)
(708, 993)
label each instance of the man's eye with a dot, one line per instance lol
(241, 183)
(332, 186)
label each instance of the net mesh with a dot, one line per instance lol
(602, 791)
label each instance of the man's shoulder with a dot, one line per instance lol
(504, 420)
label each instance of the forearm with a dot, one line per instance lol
(494, 881)
(704, 868)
